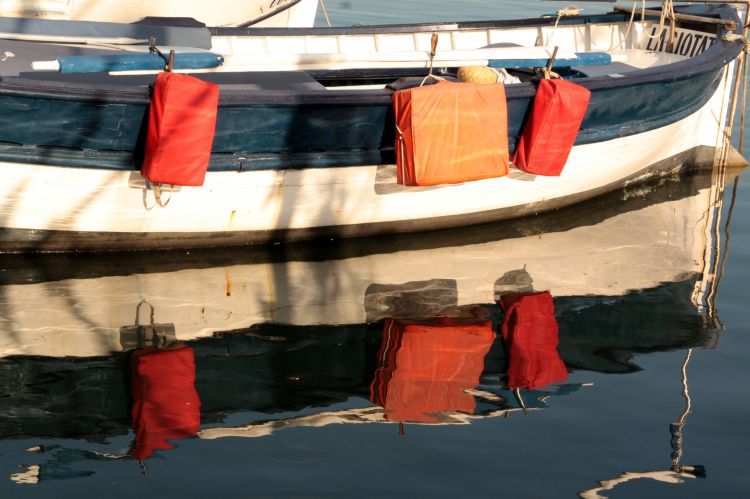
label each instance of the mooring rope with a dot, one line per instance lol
(325, 12)
(741, 73)
(627, 29)
(667, 11)
(740, 77)
(744, 102)
(724, 100)
(733, 37)
(567, 11)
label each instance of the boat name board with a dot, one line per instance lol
(687, 42)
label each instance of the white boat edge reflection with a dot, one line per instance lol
(375, 414)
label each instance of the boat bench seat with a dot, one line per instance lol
(16, 58)
(286, 81)
(635, 59)
(294, 81)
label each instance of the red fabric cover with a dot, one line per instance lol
(530, 332)
(450, 133)
(165, 403)
(181, 126)
(551, 129)
(425, 368)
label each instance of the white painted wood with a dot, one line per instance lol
(606, 38)
(412, 59)
(478, 56)
(45, 65)
(462, 47)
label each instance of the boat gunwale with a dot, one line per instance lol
(717, 56)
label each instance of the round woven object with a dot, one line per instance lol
(477, 74)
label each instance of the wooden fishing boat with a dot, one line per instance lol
(304, 140)
(277, 13)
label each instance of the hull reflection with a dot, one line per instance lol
(311, 338)
(629, 241)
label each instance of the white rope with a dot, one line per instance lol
(568, 11)
(325, 12)
(667, 10)
(734, 37)
(627, 30)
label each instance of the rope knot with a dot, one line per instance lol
(737, 37)
(569, 10)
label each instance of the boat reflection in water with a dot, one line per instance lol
(441, 328)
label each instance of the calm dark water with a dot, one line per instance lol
(275, 366)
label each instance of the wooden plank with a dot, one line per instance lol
(508, 57)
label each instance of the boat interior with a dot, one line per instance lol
(360, 58)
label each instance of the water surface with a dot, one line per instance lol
(274, 366)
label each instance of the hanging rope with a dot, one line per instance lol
(325, 12)
(548, 73)
(433, 51)
(567, 11)
(740, 76)
(746, 26)
(630, 24)
(724, 99)
(667, 11)
(627, 29)
(735, 37)
(741, 73)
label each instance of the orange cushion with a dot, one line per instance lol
(450, 133)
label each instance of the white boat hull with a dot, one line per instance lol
(284, 205)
